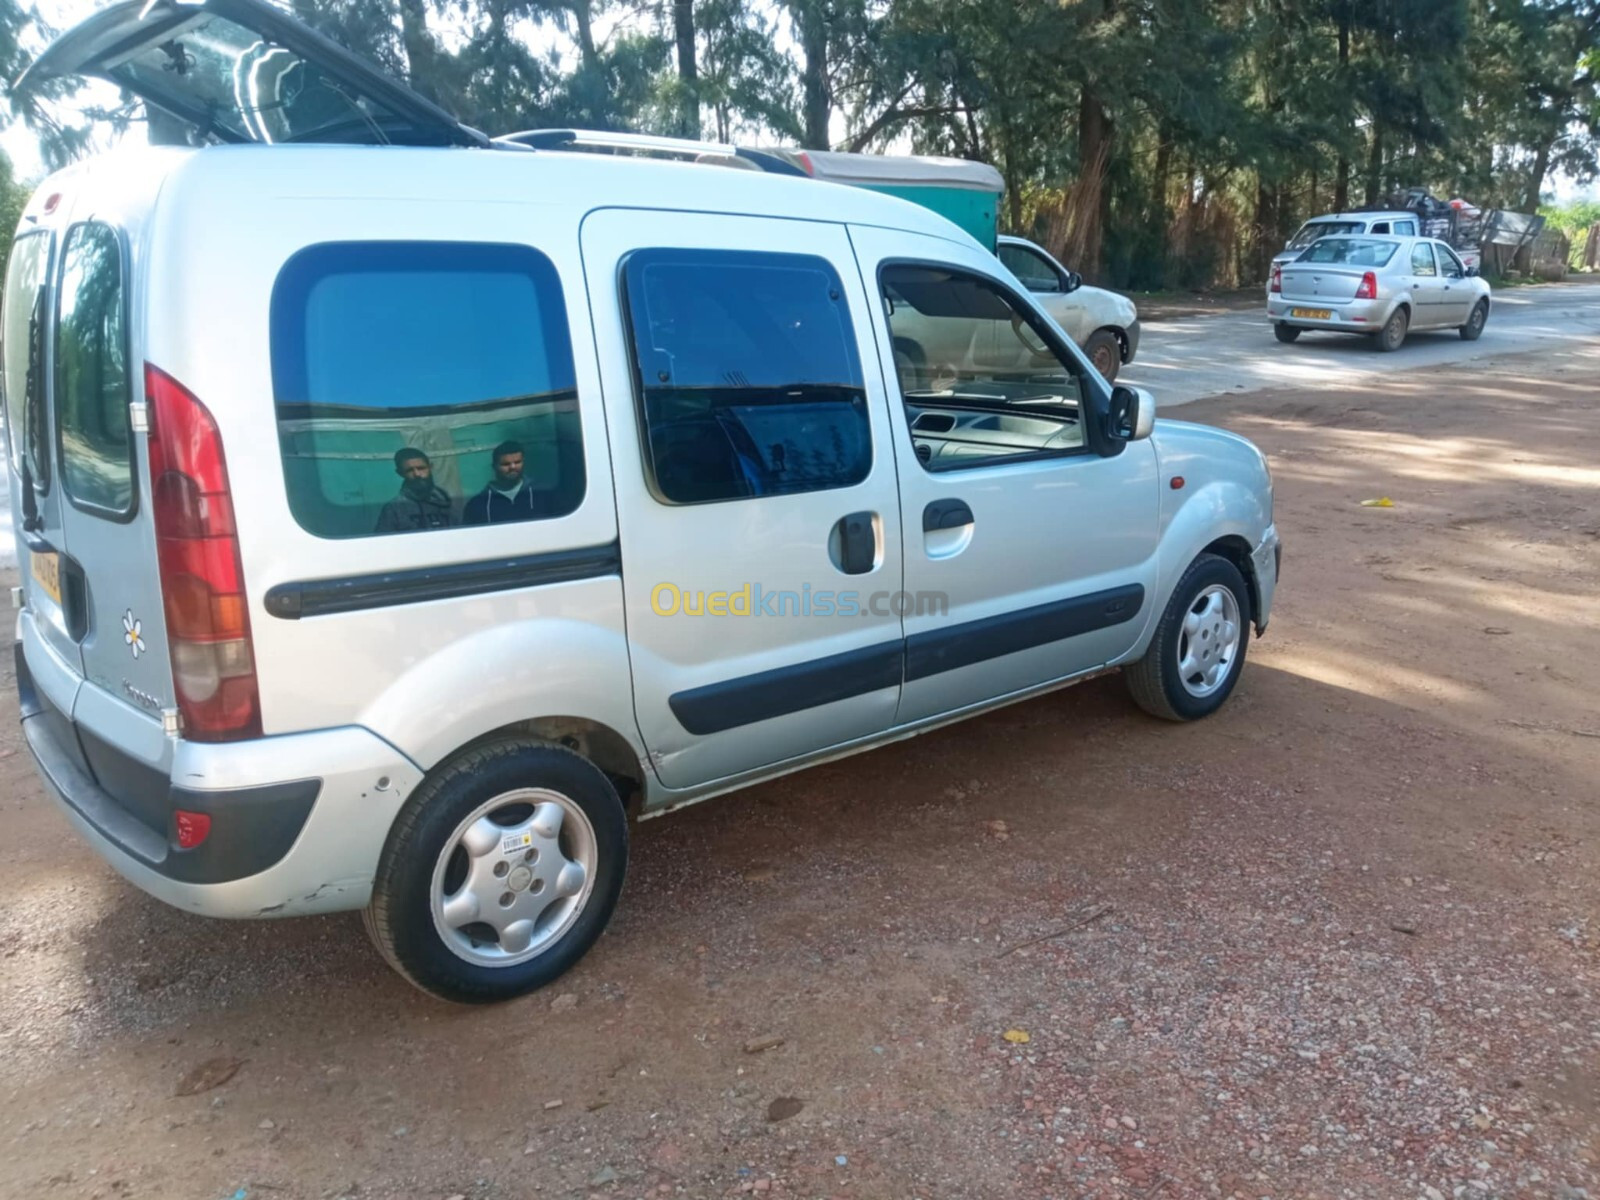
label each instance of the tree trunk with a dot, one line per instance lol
(1541, 164)
(1341, 173)
(1264, 225)
(422, 55)
(1095, 134)
(813, 24)
(1375, 164)
(1160, 215)
(688, 74)
(584, 20)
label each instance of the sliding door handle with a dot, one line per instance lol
(854, 544)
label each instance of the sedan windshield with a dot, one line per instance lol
(1350, 252)
(1312, 230)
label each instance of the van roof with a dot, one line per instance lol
(552, 179)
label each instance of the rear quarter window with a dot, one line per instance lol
(93, 387)
(22, 347)
(424, 386)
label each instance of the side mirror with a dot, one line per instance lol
(1289, 245)
(1471, 271)
(1073, 282)
(1132, 415)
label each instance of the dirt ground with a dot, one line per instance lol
(1338, 941)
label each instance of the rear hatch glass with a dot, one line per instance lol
(243, 71)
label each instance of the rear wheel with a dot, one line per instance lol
(1286, 333)
(501, 871)
(1473, 329)
(1199, 647)
(1105, 352)
(1393, 334)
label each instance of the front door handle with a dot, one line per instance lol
(945, 514)
(855, 543)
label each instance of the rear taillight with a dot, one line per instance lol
(1277, 277)
(1369, 287)
(202, 582)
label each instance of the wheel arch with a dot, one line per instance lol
(1236, 550)
(596, 741)
(1118, 332)
(558, 680)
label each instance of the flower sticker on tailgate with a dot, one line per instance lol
(133, 633)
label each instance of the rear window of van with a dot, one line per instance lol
(424, 386)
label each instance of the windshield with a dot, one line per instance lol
(239, 86)
(1312, 230)
(1351, 252)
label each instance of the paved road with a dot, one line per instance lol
(1192, 357)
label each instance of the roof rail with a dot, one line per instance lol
(643, 143)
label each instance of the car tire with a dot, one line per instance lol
(500, 872)
(1194, 659)
(1286, 333)
(1104, 350)
(1479, 317)
(1393, 334)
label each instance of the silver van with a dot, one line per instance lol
(401, 511)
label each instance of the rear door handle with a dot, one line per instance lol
(945, 514)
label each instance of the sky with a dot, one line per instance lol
(22, 147)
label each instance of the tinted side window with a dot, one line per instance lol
(981, 381)
(1422, 260)
(1034, 272)
(1406, 228)
(92, 379)
(749, 378)
(23, 349)
(424, 385)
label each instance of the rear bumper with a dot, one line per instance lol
(1350, 316)
(1131, 346)
(297, 822)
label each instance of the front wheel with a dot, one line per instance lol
(1199, 647)
(1473, 329)
(1285, 333)
(1105, 352)
(501, 871)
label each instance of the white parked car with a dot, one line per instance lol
(1104, 323)
(328, 448)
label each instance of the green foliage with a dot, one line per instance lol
(1153, 143)
(13, 199)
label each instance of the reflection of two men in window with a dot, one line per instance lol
(423, 504)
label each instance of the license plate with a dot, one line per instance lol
(46, 568)
(1311, 314)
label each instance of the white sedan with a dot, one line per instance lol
(1104, 323)
(1380, 286)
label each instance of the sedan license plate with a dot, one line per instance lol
(1311, 314)
(46, 568)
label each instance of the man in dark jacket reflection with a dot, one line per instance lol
(421, 504)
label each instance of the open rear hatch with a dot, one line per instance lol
(244, 71)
